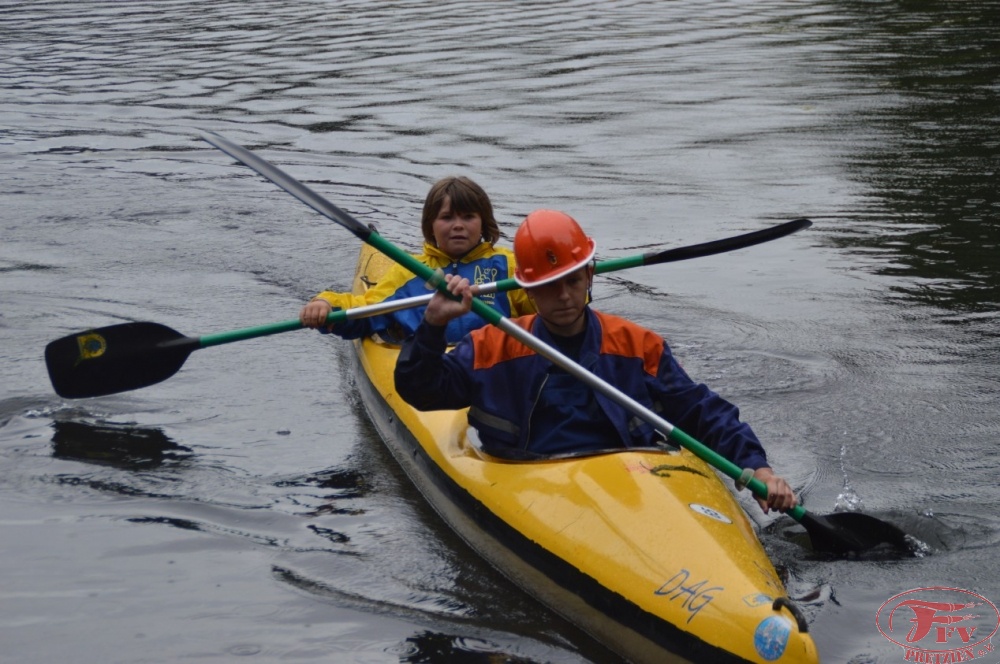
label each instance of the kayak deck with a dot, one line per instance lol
(646, 550)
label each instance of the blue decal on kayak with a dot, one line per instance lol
(757, 599)
(771, 637)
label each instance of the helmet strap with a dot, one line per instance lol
(591, 267)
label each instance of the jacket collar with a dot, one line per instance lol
(479, 251)
(591, 336)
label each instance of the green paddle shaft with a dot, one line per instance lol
(333, 318)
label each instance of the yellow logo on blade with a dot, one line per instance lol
(91, 346)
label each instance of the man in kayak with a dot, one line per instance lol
(523, 406)
(460, 234)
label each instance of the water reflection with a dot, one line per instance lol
(930, 156)
(428, 647)
(123, 446)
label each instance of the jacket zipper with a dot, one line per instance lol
(531, 412)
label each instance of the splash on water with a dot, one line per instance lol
(848, 500)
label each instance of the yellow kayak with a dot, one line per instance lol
(646, 550)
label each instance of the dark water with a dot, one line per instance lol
(245, 507)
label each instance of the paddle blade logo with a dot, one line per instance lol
(91, 346)
(939, 624)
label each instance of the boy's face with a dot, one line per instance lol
(455, 233)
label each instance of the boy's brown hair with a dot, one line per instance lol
(466, 196)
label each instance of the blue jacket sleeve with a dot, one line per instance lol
(354, 329)
(427, 377)
(698, 411)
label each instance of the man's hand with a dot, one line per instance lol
(442, 309)
(779, 493)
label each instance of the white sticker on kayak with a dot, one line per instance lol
(709, 512)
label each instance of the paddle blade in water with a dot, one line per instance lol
(114, 359)
(845, 532)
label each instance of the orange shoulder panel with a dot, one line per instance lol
(493, 346)
(627, 339)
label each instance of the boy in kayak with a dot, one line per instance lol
(523, 406)
(460, 234)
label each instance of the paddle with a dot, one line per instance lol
(658, 257)
(685, 253)
(128, 356)
(837, 533)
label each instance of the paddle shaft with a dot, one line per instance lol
(340, 316)
(372, 238)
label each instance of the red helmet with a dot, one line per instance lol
(549, 245)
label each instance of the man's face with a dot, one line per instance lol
(561, 303)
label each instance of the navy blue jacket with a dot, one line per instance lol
(501, 381)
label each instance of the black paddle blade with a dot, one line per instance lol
(300, 191)
(846, 532)
(727, 244)
(114, 359)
